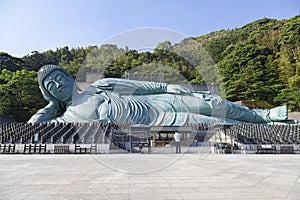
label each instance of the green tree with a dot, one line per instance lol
(34, 61)
(291, 97)
(9, 62)
(289, 55)
(166, 46)
(20, 96)
(246, 73)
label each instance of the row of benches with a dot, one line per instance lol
(271, 149)
(56, 149)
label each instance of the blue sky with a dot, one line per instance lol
(40, 25)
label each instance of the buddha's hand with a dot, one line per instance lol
(177, 89)
(52, 101)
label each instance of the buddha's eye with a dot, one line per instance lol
(50, 85)
(58, 77)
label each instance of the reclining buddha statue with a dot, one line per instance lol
(140, 102)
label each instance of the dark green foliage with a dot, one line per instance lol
(20, 96)
(254, 104)
(9, 62)
(291, 97)
(246, 73)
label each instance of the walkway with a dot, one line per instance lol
(149, 176)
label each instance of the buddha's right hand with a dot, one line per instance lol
(52, 101)
(45, 114)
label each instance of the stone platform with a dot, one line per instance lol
(149, 176)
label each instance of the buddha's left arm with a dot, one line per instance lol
(123, 86)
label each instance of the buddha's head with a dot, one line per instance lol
(55, 82)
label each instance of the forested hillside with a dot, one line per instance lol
(258, 62)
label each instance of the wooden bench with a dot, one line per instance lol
(61, 149)
(266, 149)
(35, 148)
(7, 148)
(287, 150)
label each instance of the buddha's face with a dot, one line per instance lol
(59, 85)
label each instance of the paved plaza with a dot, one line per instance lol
(150, 176)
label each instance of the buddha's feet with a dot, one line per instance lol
(278, 114)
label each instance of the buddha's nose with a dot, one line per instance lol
(58, 84)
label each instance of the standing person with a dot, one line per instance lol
(36, 138)
(177, 141)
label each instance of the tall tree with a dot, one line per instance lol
(20, 96)
(246, 73)
(9, 62)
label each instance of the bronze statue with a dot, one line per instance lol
(128, 101)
